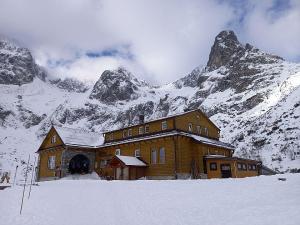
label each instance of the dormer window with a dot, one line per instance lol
(164, 125)
(190, 127)
(118, 151)
(53, 139)
(141, 130)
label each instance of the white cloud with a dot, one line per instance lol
(167, 39)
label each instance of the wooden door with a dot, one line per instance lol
(225, 170)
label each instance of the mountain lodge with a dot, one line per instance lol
(180, 146)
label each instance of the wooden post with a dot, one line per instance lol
(32, 174)
(15, 175)
(24, 184)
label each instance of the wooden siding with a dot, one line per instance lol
(196, 118)
(47, 141)
(44, 155)
(145, 147)
(154, 127)
(234, 170)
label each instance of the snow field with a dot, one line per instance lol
(256, 201)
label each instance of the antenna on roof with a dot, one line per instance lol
(130, 118)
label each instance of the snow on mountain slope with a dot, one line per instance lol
(251, 95)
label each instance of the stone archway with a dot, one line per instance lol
(79, 164)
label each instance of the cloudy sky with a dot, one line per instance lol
(158, 40)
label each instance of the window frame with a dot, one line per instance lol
(53, 139)
(102, 163)
(124, 133)
(244, 166)
(153, 150)
(164, 125)
(198, 127)
(51, 162)
(118, 151)
(147, 129)
(210, 166)
(162, 150)
(241, 166)
(135, 152)
(129, 133)
(141, 130)
(190, 127)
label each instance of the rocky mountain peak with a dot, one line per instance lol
(116, 85)
(225, 46)
(228, 51)
(17, 65)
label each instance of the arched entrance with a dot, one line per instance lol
(79, 164)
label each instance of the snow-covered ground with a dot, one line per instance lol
(258, 200)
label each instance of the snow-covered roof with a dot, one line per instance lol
(131, 160)
(76, 137)
(209, 141)
(228, 158)
(201, 139)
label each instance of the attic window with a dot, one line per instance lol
(198, 129)
(147, 129)
(164, 125)
(124, 133)
(141, 130)
(53, 139)
(190, 127)
(112, 136)
(205, 131)
(129, 132)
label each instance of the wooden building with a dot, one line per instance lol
(181, 146)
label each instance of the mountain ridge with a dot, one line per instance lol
(251, 95)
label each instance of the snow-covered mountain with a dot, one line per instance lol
(254, 97)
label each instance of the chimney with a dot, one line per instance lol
(141, 118)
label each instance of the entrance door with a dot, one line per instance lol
(225, 170)
(79, 164)
(126, 173)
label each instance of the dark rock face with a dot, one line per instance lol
(70, 85)
(225, 46)
(17, 65)
(118, 85)
(228, 51)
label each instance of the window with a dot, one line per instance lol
(137, 153)
(141, 130)
(199, 129)
(124, 133)
(253, 167)
(213, 166)
(129, 132)
(162, 155)
(190, 127)
(51, 162)
(53, 139)
(118, 151)
(103, 163)
(244, 166)
(205, 131)
(249, 167)
(96, 165)
(164, 125)
(153, 156)
(147, 129)
(112, 136)
(239, 166)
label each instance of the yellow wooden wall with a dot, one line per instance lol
(234, 170)
(196, 118)
(154, 127)
(166, 169)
